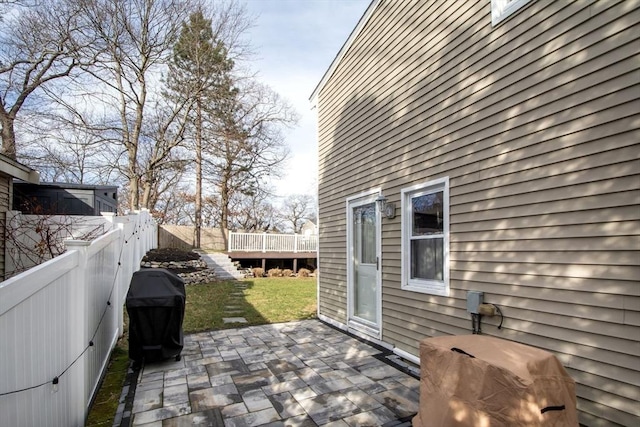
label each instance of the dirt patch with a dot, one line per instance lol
(170, 254)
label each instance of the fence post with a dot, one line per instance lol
(264, 242)
(295, 243)
(80, 341)
(150, 232)
(123, 271)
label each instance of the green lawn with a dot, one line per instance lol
(278, 300)
(264, 300)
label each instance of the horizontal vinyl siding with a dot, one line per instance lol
(536, 122)
(332, 295)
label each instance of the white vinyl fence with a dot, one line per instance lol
(60, 320)
(264, 242)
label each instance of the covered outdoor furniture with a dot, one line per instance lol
(478, 380)
(155, 303)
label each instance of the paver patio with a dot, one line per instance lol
(302, 373)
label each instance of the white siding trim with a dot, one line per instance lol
(332, 322)
(362, 326)
(405, 199)
(502, 9)
(407, 356)
(18, 170)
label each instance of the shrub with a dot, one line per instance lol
(274, 272)
(287, 273)
(258, 272)
(303, 272)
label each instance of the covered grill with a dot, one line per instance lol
(155, 303)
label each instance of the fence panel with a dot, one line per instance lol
(61, 320)
(102, 319)
(40, 311)
(183, 237)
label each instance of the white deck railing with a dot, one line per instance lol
(264, 242)
(60, 320)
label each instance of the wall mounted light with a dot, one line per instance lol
(388, 209)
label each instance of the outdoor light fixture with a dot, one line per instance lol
(387, 209)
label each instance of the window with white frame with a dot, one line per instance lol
(425, 237)
(501, 9)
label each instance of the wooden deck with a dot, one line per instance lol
(272, 242)
(268, 250)
(272, 255)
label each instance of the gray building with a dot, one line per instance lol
(64, 199)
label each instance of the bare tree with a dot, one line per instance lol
(174, 207)
(39, 44)
(135, 41)
(247, 148)
(160, 164)
(296, 210)
(116, 101)
(254, 214)
(62, 149)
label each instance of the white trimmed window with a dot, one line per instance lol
(502, 9)
(425, 237)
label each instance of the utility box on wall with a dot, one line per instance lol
(474, 299)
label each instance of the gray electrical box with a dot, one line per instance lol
(474, 299)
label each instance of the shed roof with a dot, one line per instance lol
(70, 186)
(10, 167)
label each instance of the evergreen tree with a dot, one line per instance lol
(201, 72)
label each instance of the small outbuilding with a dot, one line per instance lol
(56, 198)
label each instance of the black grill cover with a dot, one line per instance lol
(155, 303)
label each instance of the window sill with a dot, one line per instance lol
(439, 290)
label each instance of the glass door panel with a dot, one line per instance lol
(365, 262)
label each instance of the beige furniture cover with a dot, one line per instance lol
(482, 381)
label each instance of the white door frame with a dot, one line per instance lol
(355, 324)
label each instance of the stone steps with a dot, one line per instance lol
(222, 266)
(233, 312)
(225, 269)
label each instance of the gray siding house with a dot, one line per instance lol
(505, 137)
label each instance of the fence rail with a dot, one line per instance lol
(263, 242)
(60, 320)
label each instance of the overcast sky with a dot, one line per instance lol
(296, 41)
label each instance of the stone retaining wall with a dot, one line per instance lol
(203, 275)
(194, 263)
(197, 277)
